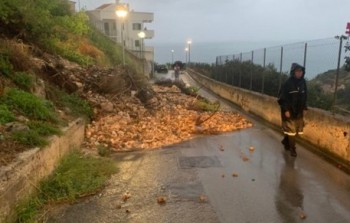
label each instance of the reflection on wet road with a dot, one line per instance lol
(289, 199)
(220, 179)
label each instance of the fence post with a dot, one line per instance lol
(240, 70)
(281, 63)
(263, 75)
(233, 72)
(338, 68)
(251, 71)
(305, 53)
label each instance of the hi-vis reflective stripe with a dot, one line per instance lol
(291, 92)
(290, 133)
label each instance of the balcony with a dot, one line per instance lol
(145, 17)
(149, 33)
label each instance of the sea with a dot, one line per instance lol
(320, 55)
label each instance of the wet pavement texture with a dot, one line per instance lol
(243, 176)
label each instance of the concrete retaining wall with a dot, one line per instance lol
(19, 180)
(329, 133)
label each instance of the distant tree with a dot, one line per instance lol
(347, 58)
(317, 97)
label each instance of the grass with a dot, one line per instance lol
(44, 128)
(37, 133)
(29, 105)
(77, 105)
(29, 138)
(43, 121)
(76, 176)
(6, 115)
(205, 105)
(192, 90)
(103, 151)
(23, 80)
(5, 65)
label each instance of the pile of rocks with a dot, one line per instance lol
(127, 124)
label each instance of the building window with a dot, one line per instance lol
(106, 25)
(136, 26)
(137, 43)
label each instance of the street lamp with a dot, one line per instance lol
(186, 52)
(122, 12)
(142, 35)
(172, 56)
(189, 51)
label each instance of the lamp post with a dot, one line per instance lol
(122, 12)
(189, 42)
(172, 57)
(186, 51)
(142, 35)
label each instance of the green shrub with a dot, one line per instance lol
(205, 105)
(6, 115)
(30, 138)
(103, 151)
(76, 176)
(77, 105)
(76, 23)
(113, 51)
(73, 55)
(5, 65)
(23, 80)
(192, 90)
(29, 105)
(44, 128)
(37, 133)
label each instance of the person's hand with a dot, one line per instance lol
(287, 114)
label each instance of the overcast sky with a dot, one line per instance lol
(221, 27)
(232, 20)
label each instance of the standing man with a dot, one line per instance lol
(177, 71)
(292, 100)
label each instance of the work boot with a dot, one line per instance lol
(293, 152)
(285, 143)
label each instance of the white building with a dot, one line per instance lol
(106, 20)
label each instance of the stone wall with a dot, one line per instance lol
(329, 133)
(19, 179)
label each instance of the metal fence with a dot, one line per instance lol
(318, 56)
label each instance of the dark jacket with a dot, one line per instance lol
(293, 94)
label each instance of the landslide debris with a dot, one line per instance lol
(132, 114)
(129, 113)
(163, 116)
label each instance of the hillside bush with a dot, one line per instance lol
(110, 48)
(44, 128)
(23, 80)
(37, 134)
(29, 138)
(77, 105)
(5, 65)
(29, 105)
(6, 115)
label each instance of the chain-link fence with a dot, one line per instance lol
(265, 70)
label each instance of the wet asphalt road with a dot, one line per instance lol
(196, 179)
